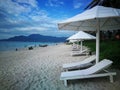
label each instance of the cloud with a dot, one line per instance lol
(77, 4)
(54, 3)
(31, 28)
(24, 15)
(32, 3)
(13, 8)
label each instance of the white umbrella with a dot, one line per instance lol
(95, 19)
(72, 41)
(80, 36)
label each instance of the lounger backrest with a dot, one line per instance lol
(99, 66)
(89, 59)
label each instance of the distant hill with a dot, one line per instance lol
(36, 38)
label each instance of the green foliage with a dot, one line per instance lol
(109, 49)
(90, 44)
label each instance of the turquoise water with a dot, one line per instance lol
(6, 46)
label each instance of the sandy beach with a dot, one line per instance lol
(40, 69)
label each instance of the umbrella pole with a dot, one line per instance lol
(77, 44)
(81, 46)
(73, 45)
(97, 42)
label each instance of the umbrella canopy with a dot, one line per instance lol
(107, 18)
(72, 41)
(80, 36)
(95, 19)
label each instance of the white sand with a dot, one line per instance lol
(40, 69)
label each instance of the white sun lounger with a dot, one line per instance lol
(75, 48)
(78, 65)
(76, 53)
(91, 72)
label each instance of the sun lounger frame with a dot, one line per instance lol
(77, 53)
(110, 74)
(92, 75)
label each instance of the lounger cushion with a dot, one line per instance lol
(81, 64)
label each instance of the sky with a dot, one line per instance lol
(25, 17)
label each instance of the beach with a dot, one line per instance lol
(40, 69)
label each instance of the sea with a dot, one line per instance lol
(13, 45)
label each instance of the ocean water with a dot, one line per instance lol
(12, 45)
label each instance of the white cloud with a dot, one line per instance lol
(22, 16)
(54, 3)
(32, 3)
(39, 16)
(77, 4)
(25, 16)
(31, 28)
(12, 7)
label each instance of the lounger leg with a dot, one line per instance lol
(65, 82)
(111, 78)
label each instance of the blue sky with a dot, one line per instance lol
(25, 17)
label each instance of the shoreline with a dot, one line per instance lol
(40, 69)
(15, 46)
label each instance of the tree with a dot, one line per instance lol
(107, 3)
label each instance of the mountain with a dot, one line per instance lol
(36, 38)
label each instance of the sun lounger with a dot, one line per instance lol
(91, 72)
(77, 53)
(75, 48)
(79, 65)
